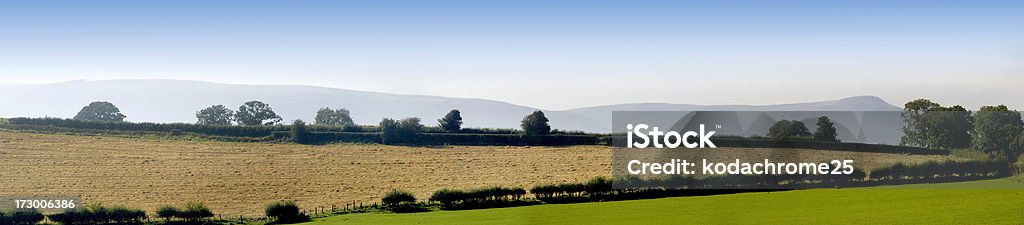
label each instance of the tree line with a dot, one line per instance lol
(994, 130)
(257, 113)
(795, 129)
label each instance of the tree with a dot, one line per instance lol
(788, 129)
(915, 132)
(215, 115)
(1017, 147)
(948, 127)
(536, 124)
(100, 111)
(826, 130)
(400, 131)
(452, 122)
(336, 117)
(995, 127)
(299, 133)
(255, 113)
(930, 125)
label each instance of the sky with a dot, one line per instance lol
(548, 54)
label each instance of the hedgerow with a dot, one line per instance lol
(477, 198)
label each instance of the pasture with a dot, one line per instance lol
(976, 202)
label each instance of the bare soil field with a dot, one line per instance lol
(240, 178)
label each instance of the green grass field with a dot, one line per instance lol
(979, 202)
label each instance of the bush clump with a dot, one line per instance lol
(477, 198)
(285, 212)
(168, 212)
(99, 214)
(195, 211)
(21, 216)
(398, 197)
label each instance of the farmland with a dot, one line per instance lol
(976, 202)
(239, 178)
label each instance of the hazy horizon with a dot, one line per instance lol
(550, 55)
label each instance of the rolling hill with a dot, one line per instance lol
(178, 100)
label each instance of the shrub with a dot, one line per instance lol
(400, 131)
(447, 197)
(121, 214)
(168, 212)
(397, 197)
(945, 170)
(195, 211)
(23, 216)
(299, 132)
(285, 211)
(598, 185)
(96, 212)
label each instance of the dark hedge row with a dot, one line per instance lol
(100, 215)
(370, 134)
(942, 171)
(79, 131)
(504, 139)
(214, 130)
(20, 217)
(742, 142)
(758, 182)
(478, 198)
(837, 146)
(594, 187)
(448, 139)
(240, 131)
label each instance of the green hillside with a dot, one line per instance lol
(979, 202)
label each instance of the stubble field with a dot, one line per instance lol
(240, 178)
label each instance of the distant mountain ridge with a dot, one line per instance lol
(178, 100)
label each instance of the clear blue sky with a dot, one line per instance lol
(547, 54)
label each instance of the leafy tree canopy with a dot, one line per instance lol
(536, 124)
(336, 117)
(215, 115)
(995, 128)
(452, 122)
(255, 113)
(930, 125)
(400, 131)
(788, 129)
(100, 111)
